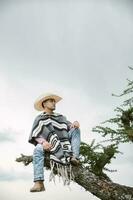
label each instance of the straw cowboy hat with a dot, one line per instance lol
(38, 103)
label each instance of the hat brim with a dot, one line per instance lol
(38, 103)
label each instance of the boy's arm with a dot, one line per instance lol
(40, 140)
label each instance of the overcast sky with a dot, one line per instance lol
(80, 50)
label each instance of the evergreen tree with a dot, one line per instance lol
(90, 174)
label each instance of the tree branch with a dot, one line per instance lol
(100, 187)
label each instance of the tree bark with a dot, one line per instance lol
(100, 187)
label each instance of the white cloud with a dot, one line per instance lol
(20, 190)
(7, 136)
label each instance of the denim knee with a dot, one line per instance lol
(75, 130)
(38, 150)
(74, 133)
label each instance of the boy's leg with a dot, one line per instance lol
(38, 167)
(75, 140)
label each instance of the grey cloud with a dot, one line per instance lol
(126, 156)
(12, 175)
(7, 136)
(84, 45)
(48, 41)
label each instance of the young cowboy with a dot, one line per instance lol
(54, 133)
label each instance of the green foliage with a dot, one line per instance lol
(123, 122)
(95, 157)
(119, 130)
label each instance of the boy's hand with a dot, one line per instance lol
(47, 146)
(75, 124)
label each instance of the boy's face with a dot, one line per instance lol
(50, 104)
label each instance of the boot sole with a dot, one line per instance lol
(74, 162)
(38, 190)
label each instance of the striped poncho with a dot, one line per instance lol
(54, 128)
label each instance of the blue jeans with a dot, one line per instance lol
(39, 154)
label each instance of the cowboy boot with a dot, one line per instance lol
(38, 187)
(74, 161)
